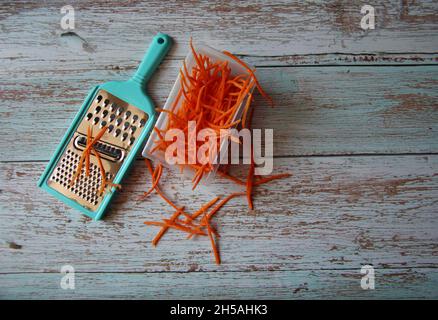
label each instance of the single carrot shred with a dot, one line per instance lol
(223, 202)
(273, 177)
(213, 242)
(249, 182)
(156, 178)
(174, 226)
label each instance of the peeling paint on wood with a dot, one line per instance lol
(296, 224)
(355, 121)
(318, 111)
(304, 284)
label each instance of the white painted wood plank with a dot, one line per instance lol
(108, 32)
(304, 284)
(335, 212)
(318, 111)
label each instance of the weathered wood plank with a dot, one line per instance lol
(335, 212)
(304, 284)
(319, 111)
(110, 33)
(340, 59)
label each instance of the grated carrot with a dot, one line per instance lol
(211, 96)
(85, 157)
(274, 177)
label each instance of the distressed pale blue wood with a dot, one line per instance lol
(355, 121)
(307, 284)
(327, 110)
(109, 33)
(335, 212)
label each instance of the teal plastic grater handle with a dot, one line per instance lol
(149, 63)
(132, 91)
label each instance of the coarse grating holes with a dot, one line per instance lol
(119, 111)
(86, 186)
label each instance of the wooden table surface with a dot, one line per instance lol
(355, 121)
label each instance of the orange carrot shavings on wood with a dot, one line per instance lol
(157, 189)
(211, 96)
(271, 178)
(195, 215)
(249, 182)
(213, 242)
(175, 226)
(223, 202)
(165, 228)
(156, 178)
(230, 177)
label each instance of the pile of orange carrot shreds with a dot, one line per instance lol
(85, 157)
(211, 97)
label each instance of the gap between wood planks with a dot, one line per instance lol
(224, 271)
(335, 59)
(352, 155)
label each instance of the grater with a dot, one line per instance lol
(128, 113)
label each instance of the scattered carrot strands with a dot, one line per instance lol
(165, 228)
(223, 202)
(210, 95)
(157, 189)
(85, 158)
(199, 212)
(274, 177)
(202, 209)
(174, 226)
(156, 178)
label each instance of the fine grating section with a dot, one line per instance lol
(86, 187)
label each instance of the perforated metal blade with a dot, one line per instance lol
(125, 123)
